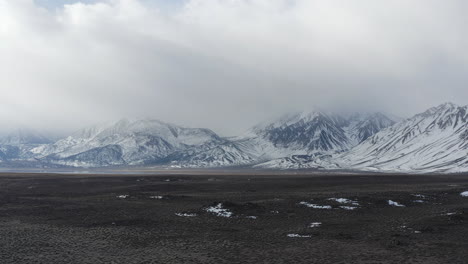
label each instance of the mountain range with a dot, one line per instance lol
(433, 141)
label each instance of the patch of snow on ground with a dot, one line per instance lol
(453, 213)
(393, 203)
(464, 194)
(297, 235)
(315, 224)
(344, 201)
(218, 210)
(315, 206)
(123, 196)
(348, 207)
(251, 217)
(419, 195)
(186, 214)
(156, 197)
(418, 201)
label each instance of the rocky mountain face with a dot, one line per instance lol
(306, 132)
(126, 142)
(17, 144)
(152, 142)
(435, 140)
(311, 133)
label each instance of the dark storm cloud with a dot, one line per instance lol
(226, 64)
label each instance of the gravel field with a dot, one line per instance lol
(237, 218)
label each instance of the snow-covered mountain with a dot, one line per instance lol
(296, 162)
(126, 142)
(152, 142)
(16, 144)
(311, 133)
(220, 155)
(435, 140)
(306, 132)
(360, 126)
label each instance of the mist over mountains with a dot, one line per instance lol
(433, 141)
(225, 64)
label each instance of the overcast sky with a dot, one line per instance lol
(225, 64)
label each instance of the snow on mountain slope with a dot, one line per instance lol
(306, 132)
(309, 133)
(211, 155)
(436, 140)
(360, 126)
(296, 162)
(140, 142)
(126, 142)
(17, 144)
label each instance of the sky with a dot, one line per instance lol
(225, 64)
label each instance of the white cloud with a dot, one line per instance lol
(226, 64)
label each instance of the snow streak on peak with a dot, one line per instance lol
(435, 140)
(312, 132)
(125, 142)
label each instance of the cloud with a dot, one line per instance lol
(226, 64)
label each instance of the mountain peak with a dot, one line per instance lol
(446, 106)
(321, 131)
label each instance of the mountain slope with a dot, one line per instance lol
(126, 142)
(17, 144)
(309, 133)
(433, 141)
(219, 155)
(436, 140)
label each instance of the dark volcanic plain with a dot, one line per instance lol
(52, 218)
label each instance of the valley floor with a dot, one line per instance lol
(240, 218)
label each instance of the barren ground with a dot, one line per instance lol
(47, 218)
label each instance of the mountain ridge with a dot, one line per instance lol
(433, 140)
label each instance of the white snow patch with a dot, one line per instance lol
(315, 224)
(344, 201)
(315, 206)
(251, 217)
(156, 197)
(418, 201)
(297, 235)
(464, 194)
(393, 203)
(218, 210)
(186, 214)
(419, 195)
(348, 207)
(452, 213)
(123, 196)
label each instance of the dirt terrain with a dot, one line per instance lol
(237, 218)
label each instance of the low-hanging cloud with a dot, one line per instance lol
(226, 64)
